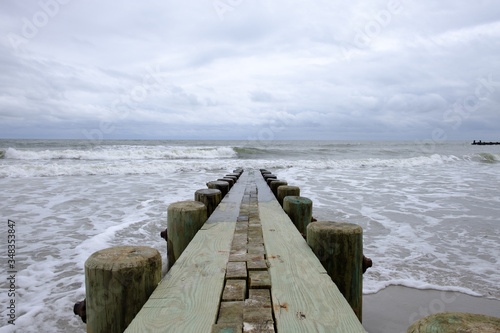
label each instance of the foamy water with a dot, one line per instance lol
(430, 218)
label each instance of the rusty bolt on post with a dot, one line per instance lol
(163, 234)
(80, 309)
(367, 263)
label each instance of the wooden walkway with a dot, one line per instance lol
(247, 270)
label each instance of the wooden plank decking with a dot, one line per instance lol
(303, 297)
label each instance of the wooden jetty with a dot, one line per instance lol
(248, 269)
(480, 143)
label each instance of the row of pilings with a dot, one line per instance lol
(337, 245)
(119, 280)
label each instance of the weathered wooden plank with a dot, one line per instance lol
(304, 297)
(231, 312)
(235, 290)
(236, 270)
(187, 299)
(259, 279)
(257, 312)
(227, 328)
(229, 207)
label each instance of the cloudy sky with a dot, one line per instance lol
(243, 69)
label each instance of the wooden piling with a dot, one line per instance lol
(118, 281)
(223, 186)
(456, 322)
(231, 176)
(270, 180)
(286, 190)
(210, 197)
(267, 176)
(184, 219)
(299, 210)
(253, 242)
(339, 248)
(229, 180)
(274, 184)
(235, 174)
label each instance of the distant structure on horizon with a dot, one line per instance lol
(480, 143)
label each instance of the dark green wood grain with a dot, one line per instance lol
(339, 248)
(184, 219)
(299, 210)
(118, 281)
(447, 322)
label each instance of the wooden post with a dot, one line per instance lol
(339, 247)
(299, 209)
(237, 175)
(229, 180)
(223, 186)
(210, 197)
(274, 184)
(456, 322)
(231, 177)
(184, 219)
(267, 176)
(286, 190)
(118, 281)
(270, 180)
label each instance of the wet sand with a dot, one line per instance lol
(395, 308)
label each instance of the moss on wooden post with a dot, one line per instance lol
(274, 184)
(210, 197)
(270, 180)
(456, 322)
(223, 186)
(339, 247)
(234, 178)
(229, 180)
(184, 219)
(285, 191)
(269, 176)
(299, 209)
(118, 281)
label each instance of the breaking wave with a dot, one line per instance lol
(116, 153)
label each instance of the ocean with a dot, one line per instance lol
(430, 212)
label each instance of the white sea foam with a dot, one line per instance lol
(424, 227)
(39, 167)
(117, 153)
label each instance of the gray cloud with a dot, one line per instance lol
(321, 70)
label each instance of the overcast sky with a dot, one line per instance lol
(243, 69)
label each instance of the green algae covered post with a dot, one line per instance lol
(339, 248)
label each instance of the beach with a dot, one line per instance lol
(395, 308)
(430, 215)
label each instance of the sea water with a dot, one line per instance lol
(430, 212)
